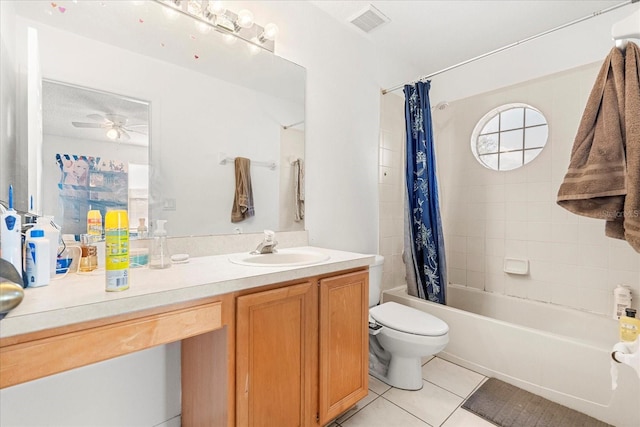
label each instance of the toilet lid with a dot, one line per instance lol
(407, 319)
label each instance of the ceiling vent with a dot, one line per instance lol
(369, 19)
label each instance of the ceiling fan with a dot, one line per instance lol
(115, 124)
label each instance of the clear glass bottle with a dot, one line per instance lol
(159, 256)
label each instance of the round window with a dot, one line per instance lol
(509, 136)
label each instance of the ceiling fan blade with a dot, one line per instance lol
(116, 119)
(124, 135)
(97, 117)
(134, 131)
(87, 125)
(140, 125)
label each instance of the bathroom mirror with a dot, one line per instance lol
(210, 98)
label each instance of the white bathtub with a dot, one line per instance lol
(561, 354)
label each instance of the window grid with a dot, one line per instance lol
(500, 132)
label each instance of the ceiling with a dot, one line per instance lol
(432, 35)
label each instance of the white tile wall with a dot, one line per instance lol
(391, 189)
(490, 215)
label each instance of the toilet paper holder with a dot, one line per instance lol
(627, 353)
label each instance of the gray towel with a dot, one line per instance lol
(243, 200)
(298, 177)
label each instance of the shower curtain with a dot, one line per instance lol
(424, 253)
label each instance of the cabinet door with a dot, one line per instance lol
(274, 346)
(344, 343)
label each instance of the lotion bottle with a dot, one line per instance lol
(159, 256)
(37, 259)
(10, 235)
(94, 223)
(621, 300)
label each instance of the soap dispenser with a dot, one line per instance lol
(159, 256)
(629, 325)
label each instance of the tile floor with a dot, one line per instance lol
(437, 404)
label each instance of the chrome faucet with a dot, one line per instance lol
(268, 245)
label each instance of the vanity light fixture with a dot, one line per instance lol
(213, 14)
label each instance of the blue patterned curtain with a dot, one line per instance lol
(424, 243)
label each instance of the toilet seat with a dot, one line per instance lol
(409, 320)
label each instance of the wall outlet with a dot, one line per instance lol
(169, 205)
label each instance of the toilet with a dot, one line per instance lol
(400, 336)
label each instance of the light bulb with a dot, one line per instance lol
(245, 18)
(113, 133)
(270, 31)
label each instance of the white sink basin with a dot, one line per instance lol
(282, 258)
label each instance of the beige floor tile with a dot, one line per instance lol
(426, 359)
(377, 386)
(431, 404)
(463, 418)
(382, 413)
(364, 402)
(452, 377)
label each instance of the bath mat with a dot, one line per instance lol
(506, 405)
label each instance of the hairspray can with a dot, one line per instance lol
(116, 228)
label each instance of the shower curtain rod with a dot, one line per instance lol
(509, 46)
(292, 125)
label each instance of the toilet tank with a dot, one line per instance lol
(375, 280)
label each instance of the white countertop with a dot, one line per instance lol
(81, 297)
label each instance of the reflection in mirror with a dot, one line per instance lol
(210, 100)
(95, 155)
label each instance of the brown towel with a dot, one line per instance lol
(603, 180)
(594, 185)
(243, 200)
(626, 224)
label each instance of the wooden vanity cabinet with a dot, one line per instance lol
(274, 348)
(344, 343)
(288, 354)
(302, 351)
